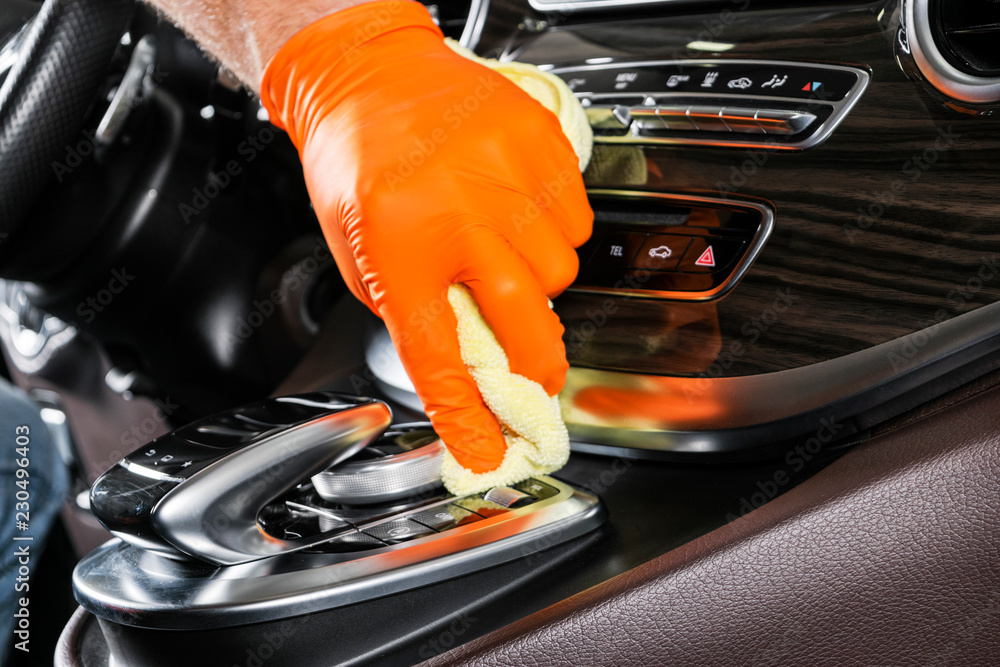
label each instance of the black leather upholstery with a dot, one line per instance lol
(47, 93)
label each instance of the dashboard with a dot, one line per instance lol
(876, 186)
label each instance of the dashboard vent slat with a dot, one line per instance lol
(966, 32)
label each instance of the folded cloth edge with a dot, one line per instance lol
(537, 439)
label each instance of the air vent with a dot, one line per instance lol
(954, 43)
(966, 32)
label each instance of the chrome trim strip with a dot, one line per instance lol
(133, 587)
(129, 92)
(840, 111)
(473, 31)
(385, 479)
(10, 51)
(933, 65)
(763, 234)
(732, 414)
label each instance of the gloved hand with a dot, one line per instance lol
(426, 169)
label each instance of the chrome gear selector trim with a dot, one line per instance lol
(408, 462)
(197, 491)
(300, 504)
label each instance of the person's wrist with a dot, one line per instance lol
(323, 48)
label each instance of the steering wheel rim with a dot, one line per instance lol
(63, 60)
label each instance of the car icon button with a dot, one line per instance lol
(400, 530)
(661, 252)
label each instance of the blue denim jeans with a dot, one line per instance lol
(29, 503)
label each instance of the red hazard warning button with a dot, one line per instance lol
(710, 254)
(707, 258)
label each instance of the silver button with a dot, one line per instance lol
(741, 120)
(506, 496)
(775, 121)
(675, 118)
(707, 119)
(647, 120)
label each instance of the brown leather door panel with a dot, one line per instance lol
(891, 556)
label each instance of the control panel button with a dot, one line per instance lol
(445, 517)
(328, 520)
(349, 543)
(647, 120)
(661, 252)
(675, 118)
(707, 255)
(400, 530)
(616, 250)
(741, 120)
(779, 79)
(508, 497)
(623, 79)
(775, 121)
(707, 119)
(539, 490)
(481, 506)
(169, 457)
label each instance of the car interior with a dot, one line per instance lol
(784, 347)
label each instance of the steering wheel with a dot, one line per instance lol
(64, 55)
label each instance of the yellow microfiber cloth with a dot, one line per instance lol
(537, 440)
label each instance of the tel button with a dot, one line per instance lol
(616, 250)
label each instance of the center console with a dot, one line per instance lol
(297, 505)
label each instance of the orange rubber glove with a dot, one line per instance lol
(426, 169)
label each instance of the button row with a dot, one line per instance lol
(807, 82)
(460, 512)
(664, 252)
(651, 120)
